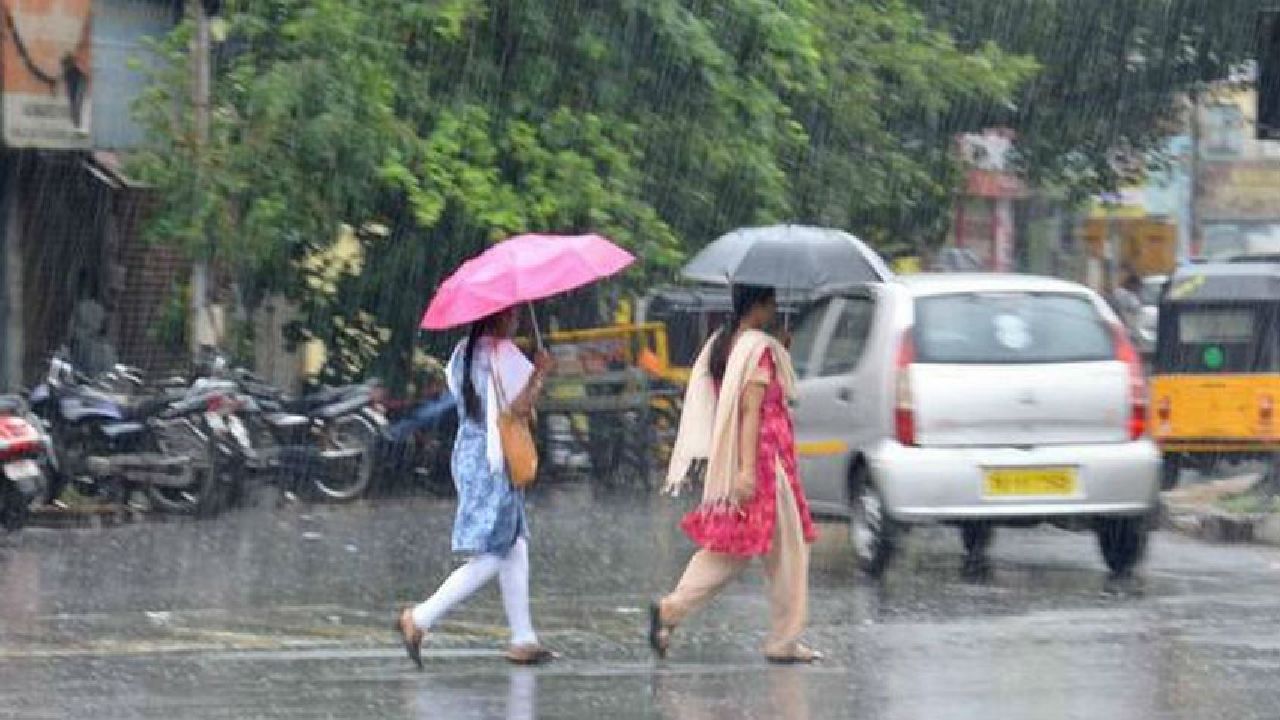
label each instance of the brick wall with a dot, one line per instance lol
(78, 226)
(148, 276)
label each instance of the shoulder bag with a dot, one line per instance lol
(516, 436)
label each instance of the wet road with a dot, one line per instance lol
(285, 613)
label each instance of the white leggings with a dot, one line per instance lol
(513, 580)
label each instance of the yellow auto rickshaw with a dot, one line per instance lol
(1216, 370)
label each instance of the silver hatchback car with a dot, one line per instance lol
(974, 400)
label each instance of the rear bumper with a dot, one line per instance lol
(928, 484)
(1219, 445)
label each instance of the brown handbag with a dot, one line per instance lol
(516, 435)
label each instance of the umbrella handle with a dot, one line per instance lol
(537, 331)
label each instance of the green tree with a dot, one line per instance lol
(453, 123)
(1112, 80)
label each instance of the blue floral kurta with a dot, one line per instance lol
(490, 511)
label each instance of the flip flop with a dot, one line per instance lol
(412, 640)
(802, 656)
(526, 655)
(659, 634)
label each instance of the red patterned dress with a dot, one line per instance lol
(749, 530)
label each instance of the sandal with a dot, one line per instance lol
(800, 656)
(659, 634)
(411, 634)
(530, 655)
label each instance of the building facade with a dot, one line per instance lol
(69, 216)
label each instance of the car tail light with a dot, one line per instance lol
(1266, 411)
(1128, 354)
(904, 415)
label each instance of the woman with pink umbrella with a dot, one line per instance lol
(491, 376)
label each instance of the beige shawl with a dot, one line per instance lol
(709, 429)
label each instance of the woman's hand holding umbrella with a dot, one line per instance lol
(543, 364)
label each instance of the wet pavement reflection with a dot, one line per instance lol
(285, 613)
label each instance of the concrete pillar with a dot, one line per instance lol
(11, 350)
(4, 305)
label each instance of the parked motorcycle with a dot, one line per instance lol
(24, 454)
(129, 449)
(239, 457)
(417, 448)
(321, 446)
(326, 443)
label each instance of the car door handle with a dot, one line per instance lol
(844, 395)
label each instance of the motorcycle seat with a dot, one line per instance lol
(12, 404)
(343, 406)
(319, 401)
(117, 430)
(137, 409)
(286, 419)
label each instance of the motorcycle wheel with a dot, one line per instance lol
(207, 494)
(347, 480)
(14, 509)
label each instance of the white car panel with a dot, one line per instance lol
(970, 418)
(922, 484)
(1020, 405)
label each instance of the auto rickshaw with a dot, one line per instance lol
(617, 390)
(690, 314)
(612, 405)
(1216, 370)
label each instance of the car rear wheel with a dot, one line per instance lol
(872, 533)
(1123, 542)
(1170, 471)
(977, 539)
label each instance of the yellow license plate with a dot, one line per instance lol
(1030, 482)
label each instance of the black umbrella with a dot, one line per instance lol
(797, 258)
(809, 260)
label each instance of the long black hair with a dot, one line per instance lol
(745, 297)
(470, 399)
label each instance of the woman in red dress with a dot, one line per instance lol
(737, 427)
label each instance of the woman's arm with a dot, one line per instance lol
(752, 403)
(748, 440)
(524, 403)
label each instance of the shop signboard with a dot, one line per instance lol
(1240, 191)
(45, 69)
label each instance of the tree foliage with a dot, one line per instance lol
(1113, 76)
(453, 123)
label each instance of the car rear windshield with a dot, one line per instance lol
(1219, 338)
(1010, 328)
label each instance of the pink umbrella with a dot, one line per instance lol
(519, 270)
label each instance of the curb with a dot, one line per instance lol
(1215, 525)
(85, 518)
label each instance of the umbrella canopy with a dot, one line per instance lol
(795, 257)
(519, 270)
